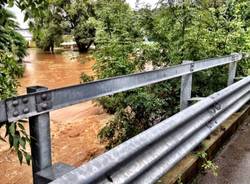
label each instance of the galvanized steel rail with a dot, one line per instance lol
(37, 103)
(144, 158)
(147, 156)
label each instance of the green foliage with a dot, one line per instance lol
(10, 40)
(207, 165)
(179, 181)
(47, 30)
(187, 31)
(10, 70)
(18, 139)
(86, 78)
(65, 17)
(12, 50)
(31, 8)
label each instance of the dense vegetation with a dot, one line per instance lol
(12, 50)
(187, 31)
(65, 17)
(176, 32)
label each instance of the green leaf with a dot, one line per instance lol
(21, 126)
(26, 16)
(12, 129)
(10, 141)
(20, 156)
(27, 157)
(11, 3)
(16, 142)
(22, 142)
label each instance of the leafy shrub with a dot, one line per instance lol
(188, 31)
(10, 70)
(12, 50)
(86, 78)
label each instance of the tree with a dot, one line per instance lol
(48, 29)
(185, 31)
(11, 40)
(76, 17)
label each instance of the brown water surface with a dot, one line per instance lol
(73, 129)
(54, 70)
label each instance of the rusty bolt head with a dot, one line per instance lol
(26, 110)
(15, 103)
(25, 100)
(16, 113)
(44, 106)
(44, 96)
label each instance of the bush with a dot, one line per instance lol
(188, 31)
(12, 50)
(10, 70)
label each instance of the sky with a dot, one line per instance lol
(22, 24)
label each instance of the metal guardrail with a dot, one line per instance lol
(149, 155)
(39, 101)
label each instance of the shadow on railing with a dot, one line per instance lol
(144, 158)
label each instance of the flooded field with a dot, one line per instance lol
(74, 129)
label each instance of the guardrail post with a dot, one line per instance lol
(232, 71)
(40, 139)
(186, 87)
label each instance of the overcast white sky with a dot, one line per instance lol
(20, 16)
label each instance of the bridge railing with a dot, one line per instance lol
(146, 157)
(39, 101)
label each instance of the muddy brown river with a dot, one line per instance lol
(54, 70)
(74, 129)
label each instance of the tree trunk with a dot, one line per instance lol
(47, 48)
(52, 48)
(83, 47)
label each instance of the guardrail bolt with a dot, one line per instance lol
(25, 100)
(44, 96)
(209, 126)
(16, 113)
(192, 67)
(15, 103)
(218, 106)
(44, 106)
(212, 111)
(26, 110)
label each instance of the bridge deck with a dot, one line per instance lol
(233, 161)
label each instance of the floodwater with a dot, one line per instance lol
(54, 70)
(74, 129)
